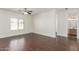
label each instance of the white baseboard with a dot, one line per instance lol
(4, 36)
(53, 36)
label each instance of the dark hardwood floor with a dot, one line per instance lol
(36, 42)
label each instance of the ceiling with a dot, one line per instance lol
(40, 10)
(34, 10)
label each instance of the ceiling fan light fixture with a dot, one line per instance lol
(25, 13)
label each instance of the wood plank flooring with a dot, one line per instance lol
(36, 42)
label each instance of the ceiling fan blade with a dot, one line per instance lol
(29, 12)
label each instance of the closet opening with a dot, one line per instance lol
(72, 27)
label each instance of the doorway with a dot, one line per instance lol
(72, 27)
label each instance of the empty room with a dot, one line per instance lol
(39, 29)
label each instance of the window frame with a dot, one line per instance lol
(18, 24)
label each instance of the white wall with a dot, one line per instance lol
(45, 23)
(78, 27)
(5, 23)
(62, 29)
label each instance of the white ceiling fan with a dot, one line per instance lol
(25, 12)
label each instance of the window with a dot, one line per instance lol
(16, 24)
